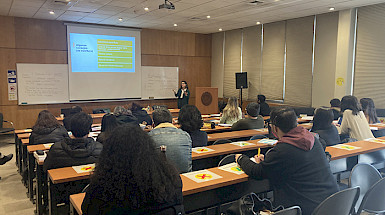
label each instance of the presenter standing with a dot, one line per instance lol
(183, 94)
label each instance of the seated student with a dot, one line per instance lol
(221, 105)
(354, 122)
(323, 125)
(141, 115)
(142, 183)
(67, 119)
(296, 166)
(177, 141)
(369, 110)
(232, 112)
(336, 108)
(109, 123)
(190, 120)
(124, 116)
(77, 150)
(265, 108)
(252, 120)
(47, 129)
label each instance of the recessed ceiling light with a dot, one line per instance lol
(220, 29)
(208, 17)
(120, 19)
(332, 8)
(175, 25)
(146, 8)
(52, 12)
(276, 0)
(258, 23)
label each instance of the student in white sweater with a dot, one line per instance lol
(354, 121)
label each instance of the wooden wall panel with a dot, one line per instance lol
(45, 42)
(203, 45)
(186, 44)
(7, 32)
(150, 41)
(40, 34)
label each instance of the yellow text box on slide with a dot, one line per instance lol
(115, 54)
(115, 42)
(114, 66)
(114, 48)
(115, 59)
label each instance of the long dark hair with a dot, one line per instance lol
(45, 119)
(109, 123)
(351, 103)
(190, 118)
(185, 83)
(131, 170)
(136, 107)
(323, 119)
(369, 109)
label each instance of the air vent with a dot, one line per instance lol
(62, 2)
(196, 19)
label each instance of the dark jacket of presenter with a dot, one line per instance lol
(183, 94)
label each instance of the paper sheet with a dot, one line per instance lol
(268, 141)
(84, 168)
(346, 147)
(225, 125)
(202, 150)
(202, 176)
(233, 168)
(375, 140)
(242, 143)
(48, 145)
(261, 129)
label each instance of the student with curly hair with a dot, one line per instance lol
(132, 177)
(190, 120)
(47, 129)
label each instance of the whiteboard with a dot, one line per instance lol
(42, 83)
(158, 82)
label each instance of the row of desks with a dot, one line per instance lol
(190, 187)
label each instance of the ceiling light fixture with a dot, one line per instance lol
(167, 5)
(120, 19)
(258, 23)
(220, 29)
(146, 8)
(52, 12)
(175, 25)
(208, 17)
(332, 8)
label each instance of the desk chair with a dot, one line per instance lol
(258, 136)
(341, 203)
(227, 159)
(222, 141)
(374, 199)
(295, 210)
(364, 176)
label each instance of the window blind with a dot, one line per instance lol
(232, 64)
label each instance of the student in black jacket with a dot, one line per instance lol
(133, 177)
(265, 108)
(47, 129)
(296, 167)
(190, 120)
(183, 94)
(125, 116)
(67, 118)
(335, 106)
(141, 115)
(252, 120)
(323, 125)
(109, 123)
(77, 150)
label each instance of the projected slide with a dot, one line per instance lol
(102, 53)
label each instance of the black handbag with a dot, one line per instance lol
(251, 204)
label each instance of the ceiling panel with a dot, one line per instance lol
(225, 14)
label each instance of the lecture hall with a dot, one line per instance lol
(200, 107)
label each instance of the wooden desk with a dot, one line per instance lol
(93, 115)
(216, 129)
(228, 148)
(380, 126)
(194, 193)
(22, 131)
(236, 134)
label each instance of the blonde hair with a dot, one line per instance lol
(231, 109)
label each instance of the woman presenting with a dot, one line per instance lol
(183, 94)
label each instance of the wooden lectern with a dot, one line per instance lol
(206, 99)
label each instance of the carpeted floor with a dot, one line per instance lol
(13, 197)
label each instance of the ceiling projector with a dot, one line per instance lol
(167, 5)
